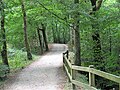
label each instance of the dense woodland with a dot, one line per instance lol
(90, 28)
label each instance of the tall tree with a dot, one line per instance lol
(77, 34)
(44, 36)
(29, 55)
(4, 46)
(40, 41)
(96, 36)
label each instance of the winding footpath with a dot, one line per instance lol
(44, 74)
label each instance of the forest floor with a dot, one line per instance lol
(44, 74)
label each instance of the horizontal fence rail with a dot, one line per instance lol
(70, 70)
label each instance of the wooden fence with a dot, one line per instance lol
(70, 70)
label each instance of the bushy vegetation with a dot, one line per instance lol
(3, 71)
(17, 61)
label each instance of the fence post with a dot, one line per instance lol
(69, 70)
(73, 78)
(63, 61)
(119, 86)
(67, 52)
(91, 77)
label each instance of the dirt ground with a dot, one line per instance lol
(44, 74)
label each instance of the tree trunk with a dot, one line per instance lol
(97, 48)
(96, 36)
(40, 41)
(72, 39)
(57, 33)
(53, 32)
(110, 42)
(118, 1)
(4, 47)
(29, 55)
(64, 38)
(77, 36)
(44, 36)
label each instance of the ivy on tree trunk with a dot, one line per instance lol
(96, 36)
(4, 46)
(77, 35)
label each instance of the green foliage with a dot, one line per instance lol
(112, 65)
(82, 78)
(3, 70)
(57, 15)
(18, 59)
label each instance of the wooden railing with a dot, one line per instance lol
(70, 70)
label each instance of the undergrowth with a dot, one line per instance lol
(17, 61)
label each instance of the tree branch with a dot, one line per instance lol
(96, 5)
(93, 2)
(50, 11)
(99, 3)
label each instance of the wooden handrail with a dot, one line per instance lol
(69, 64)
(98, 72)
(66, 53)
(83, 85)
(69, 76)
(91, 72)
(106, 75)
(79, 68)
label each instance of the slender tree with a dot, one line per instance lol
(53, 30)
(4, 46)
(77, 34)
(29, 55)
(96, 36)
(45, 37)
(40, 41)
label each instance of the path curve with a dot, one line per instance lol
(45, 74)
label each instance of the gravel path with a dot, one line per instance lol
(45, 74)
